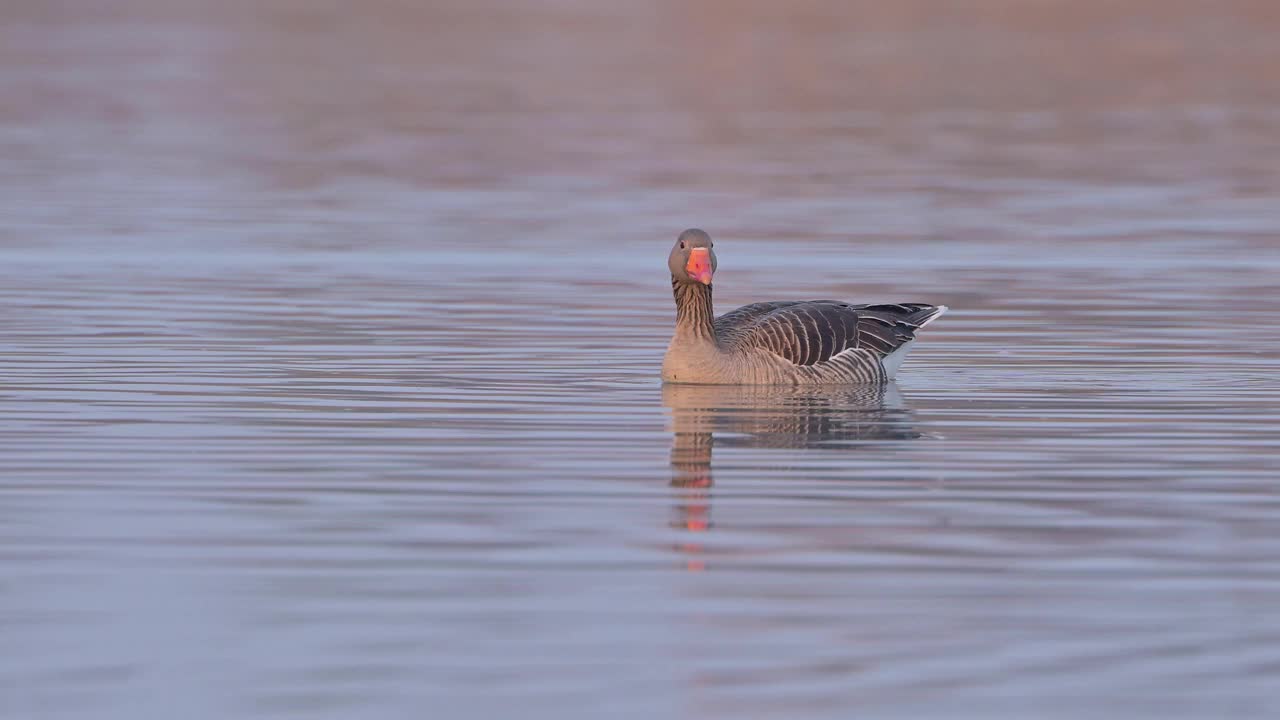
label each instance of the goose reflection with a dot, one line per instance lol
(704, 417)
(707, 416)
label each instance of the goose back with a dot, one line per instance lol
(809, 333)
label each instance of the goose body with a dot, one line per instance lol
(807, 342)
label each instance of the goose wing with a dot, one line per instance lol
(732, 326)
(814, 331)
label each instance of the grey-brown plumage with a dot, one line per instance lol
(780, 343)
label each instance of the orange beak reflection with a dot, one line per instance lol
(699, 265)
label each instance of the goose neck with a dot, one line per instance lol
(694, 315)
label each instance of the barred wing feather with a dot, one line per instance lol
(812, 332)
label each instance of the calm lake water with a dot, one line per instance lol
(329, 349)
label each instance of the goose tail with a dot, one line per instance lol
(922, 317)
(928, 315)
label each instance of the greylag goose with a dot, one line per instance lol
(807, 342)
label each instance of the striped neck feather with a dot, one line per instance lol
(694, 315)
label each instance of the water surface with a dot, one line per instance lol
(329, 344)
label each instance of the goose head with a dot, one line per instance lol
(692, 259)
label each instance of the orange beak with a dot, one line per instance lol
(699, 265)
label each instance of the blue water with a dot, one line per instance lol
(329, 344)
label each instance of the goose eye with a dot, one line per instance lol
(682, 245)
